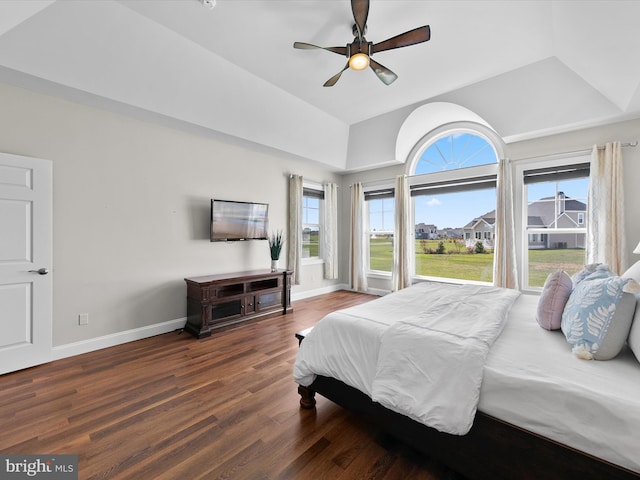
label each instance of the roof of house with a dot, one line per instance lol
(541, 212)
(545, 208)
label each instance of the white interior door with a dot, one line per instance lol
(25, 261)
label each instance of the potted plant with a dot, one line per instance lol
(275, 246)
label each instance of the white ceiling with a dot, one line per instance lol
(526, 67)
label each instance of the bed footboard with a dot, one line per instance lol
(492, 449)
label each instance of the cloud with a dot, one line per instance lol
(434, 202)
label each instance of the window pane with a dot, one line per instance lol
(381, 214)
(381, 225)
(311, 226)
(458, 150)
(455, 235)
(381, 252)
(310, 241)
(556, 224)
(310, 210)
(558, 255)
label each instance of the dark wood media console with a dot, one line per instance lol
(215, 301)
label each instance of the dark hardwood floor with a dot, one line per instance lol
(224, 407)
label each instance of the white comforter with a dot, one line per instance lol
(421, 352)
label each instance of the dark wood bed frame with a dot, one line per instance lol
(492, 449)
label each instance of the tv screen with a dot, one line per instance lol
(238, 220)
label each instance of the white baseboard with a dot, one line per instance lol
(317, 291)
(378, 291)
(98, 343)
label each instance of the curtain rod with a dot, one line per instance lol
(574, 152)
(320, 184)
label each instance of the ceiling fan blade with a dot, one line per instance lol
(332, 81)
(383, 73)
(309, 46)
(417, 35)
(360, 9)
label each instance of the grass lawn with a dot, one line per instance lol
(381, 254)
(543, 262)
(310, 245)
(474, 266)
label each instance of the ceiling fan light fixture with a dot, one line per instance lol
(363, 50)
(359, 61)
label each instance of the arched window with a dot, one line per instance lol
(455, 150)
(452, 176)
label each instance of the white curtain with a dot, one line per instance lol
(330, 234)
(401, 273)
(357, 272)
(295, 228)
(505, 272)
(605, 224)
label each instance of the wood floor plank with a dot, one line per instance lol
(222, 407)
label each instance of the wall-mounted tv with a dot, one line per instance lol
(238, 220)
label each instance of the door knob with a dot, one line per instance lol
(41, 271)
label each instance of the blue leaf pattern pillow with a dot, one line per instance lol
(585, 272)
(590, 310)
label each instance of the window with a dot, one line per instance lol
(312, 200)
(454, 151)
(453, 189)
(380, 205)
(554, 218)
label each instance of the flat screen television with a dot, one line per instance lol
(232, 221)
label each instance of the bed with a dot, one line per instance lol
(537, 411)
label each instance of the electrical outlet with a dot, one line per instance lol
(83, 319)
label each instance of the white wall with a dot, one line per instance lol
(131, 209)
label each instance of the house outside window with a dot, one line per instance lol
(380, 211)
(554, 212)
(312, 202)
(452, 182)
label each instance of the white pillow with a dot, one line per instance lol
(634, 334)
(633, 272)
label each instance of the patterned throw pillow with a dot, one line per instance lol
(590, 315)
(585, 272)
(553, 299)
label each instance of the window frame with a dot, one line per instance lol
(313, 190)
(489, 135)
(479, 174)
(521, 205)
(387, 191)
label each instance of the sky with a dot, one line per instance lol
(455, 210)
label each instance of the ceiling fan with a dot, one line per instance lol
(359, 51)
